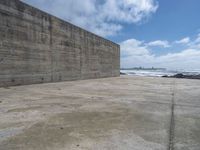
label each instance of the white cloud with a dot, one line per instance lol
(159, 43)
(104, 17)
(134, 53)
(198, 39)
(131, 11)
(195, 43)
(186, 59)
(133, 47)
(185, 40)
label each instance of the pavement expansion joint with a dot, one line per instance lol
(172, 121)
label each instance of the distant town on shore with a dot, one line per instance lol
(143, 68)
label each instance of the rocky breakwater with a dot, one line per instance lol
(180, 75)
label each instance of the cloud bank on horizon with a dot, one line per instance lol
(138, 53)
(111, 17)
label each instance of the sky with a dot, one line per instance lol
(151, 33)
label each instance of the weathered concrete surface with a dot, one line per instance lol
(36, 47)
(123, 113)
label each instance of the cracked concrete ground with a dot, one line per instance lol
(123, 113)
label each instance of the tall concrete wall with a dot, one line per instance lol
(36, 47)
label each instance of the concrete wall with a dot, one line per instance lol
(36, 47)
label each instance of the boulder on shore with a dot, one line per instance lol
(180, 75)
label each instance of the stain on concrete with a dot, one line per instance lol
(91, 125)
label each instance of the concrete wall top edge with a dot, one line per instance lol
(59, 19)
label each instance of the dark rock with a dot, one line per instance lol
(121, 73)
(180, 75)
(165, 76)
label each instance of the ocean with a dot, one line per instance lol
(158, 72)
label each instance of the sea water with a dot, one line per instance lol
(158, 72)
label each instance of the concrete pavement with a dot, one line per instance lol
(123, 113)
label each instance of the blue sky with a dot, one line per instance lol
(173, 20)
(159, 33)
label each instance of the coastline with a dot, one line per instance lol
(162, 73)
